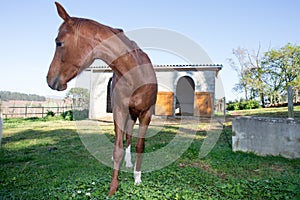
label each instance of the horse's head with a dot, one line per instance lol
(73, 52)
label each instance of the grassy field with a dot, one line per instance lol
(42, 159)
(269, 112)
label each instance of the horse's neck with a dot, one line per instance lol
(120, 53)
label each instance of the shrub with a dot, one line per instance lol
(50, 113)
(67, 115)
(71, 115)
(243, 105)
(232, 105)
(252, 104)
(81, 114)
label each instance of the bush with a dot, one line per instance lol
(81, 114)
(243, 105)
(232, 105)
(252, 104)
(50, 113)
(67, 115)
(71, 115)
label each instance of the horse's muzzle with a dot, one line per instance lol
(56, 84)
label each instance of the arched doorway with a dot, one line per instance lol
(108, 97)
(185, 90)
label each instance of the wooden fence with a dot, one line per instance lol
(32, 111)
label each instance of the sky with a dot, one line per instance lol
(28, 30)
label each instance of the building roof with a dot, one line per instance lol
(173, 67)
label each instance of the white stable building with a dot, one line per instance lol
(182, 90)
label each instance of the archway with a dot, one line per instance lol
(185, 96)
(108, 97)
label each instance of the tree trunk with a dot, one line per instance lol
(296, 95)
(246, 94)
(262, 99)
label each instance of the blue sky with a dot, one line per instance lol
(29, 28)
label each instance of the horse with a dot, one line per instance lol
(79, 42)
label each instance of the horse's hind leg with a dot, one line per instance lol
(144, 121)
(129, 131)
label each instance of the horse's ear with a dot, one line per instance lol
(62, 12)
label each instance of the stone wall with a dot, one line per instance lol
(266, 136)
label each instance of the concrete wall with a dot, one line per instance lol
(98, 94)
(266, 136)
(203, 76)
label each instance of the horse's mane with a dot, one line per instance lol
(77, 23)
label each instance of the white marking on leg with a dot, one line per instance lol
(137, 176)
(128, 157)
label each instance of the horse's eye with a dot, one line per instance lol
(59, 44)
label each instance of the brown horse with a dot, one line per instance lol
(78, 44)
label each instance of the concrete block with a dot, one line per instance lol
(266, 136)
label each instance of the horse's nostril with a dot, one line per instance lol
(54, 84)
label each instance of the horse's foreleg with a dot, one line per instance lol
(117, 154)
(144, 120)
(118, 151)
(129, 132)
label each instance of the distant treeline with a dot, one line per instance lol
(6, 96)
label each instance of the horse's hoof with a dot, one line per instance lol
(137, 182)
(137, 177)
(128, 165)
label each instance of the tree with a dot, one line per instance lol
(7, 95)
(269, 75)
(79, 96)
(240, 66)
(249, 69)
(282, 69)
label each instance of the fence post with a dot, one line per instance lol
(25, 111)
(290, 102)
(224, 106)
(0, 128)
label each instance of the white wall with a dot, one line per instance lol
(98, 94)
(167, 82)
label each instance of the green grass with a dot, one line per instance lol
(268, 112)
(46, 160)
